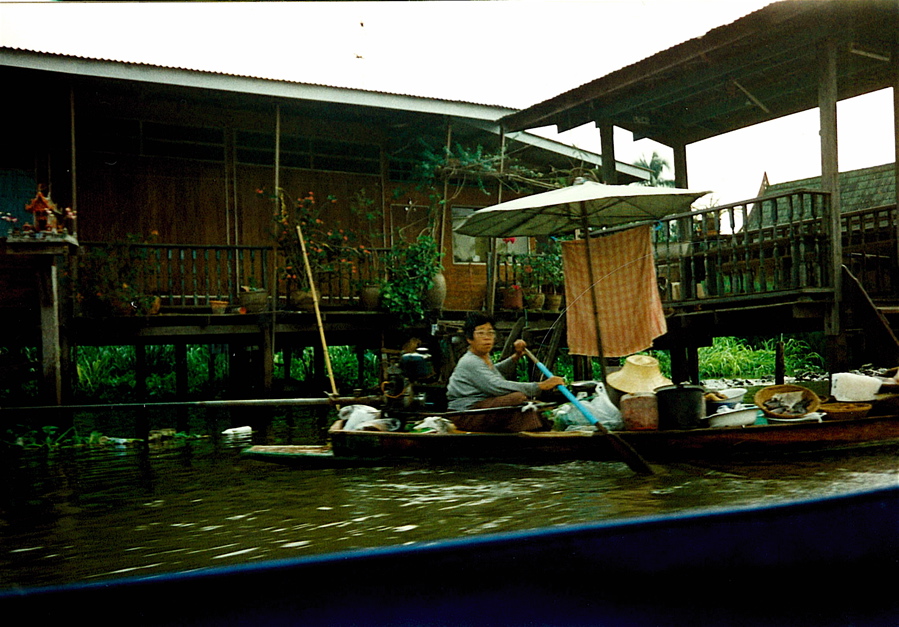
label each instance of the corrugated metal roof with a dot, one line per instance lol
(483, 116)
(240, 81)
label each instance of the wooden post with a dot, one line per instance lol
(319, 374)
(607, 147)
(181, 378)
(827, 105)
(181, 385)
(779, 365)
(681, 176)
(896, 137)
(268, 357)
(48, 296)
(360, 361)
(140, 371)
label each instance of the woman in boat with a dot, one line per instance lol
(478, 383)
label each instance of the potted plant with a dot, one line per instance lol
(409, 289)
(552, 275)
(511, 296)
(530, 272)
(331, 250)
(111, 280)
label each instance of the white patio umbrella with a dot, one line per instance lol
(581, 206)
(585, 205)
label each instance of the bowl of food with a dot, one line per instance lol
(729, 397)
(786, 401)
(739, 416)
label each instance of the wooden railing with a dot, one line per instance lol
(190, 276)
(870, 250)
(759, 247)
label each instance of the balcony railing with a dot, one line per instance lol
(870, 250)
(754, 248)
(191, 276)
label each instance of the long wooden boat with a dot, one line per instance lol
(825, 562)
(348, 448)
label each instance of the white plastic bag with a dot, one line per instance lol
(604, 410)
(355, 416)
(600, 407)
(434, 424)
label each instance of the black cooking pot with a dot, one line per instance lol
(681, 406)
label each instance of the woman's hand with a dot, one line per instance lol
(551, 383)
(519, 346)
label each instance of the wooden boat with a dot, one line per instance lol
(349, 448)
(823, 562)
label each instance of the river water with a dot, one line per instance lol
(94, 513)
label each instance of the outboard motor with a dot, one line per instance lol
(417, 366)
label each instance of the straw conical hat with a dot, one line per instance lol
(640, 373)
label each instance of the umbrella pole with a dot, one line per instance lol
(591, 275)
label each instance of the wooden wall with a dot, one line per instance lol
(216, 200)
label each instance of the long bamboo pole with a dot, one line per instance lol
(318, 313)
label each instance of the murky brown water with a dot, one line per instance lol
(92, 514)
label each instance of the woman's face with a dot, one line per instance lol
(484, 339)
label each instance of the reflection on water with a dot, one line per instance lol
(89, 514)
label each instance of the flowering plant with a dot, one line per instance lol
(330, 248)
(111, 278)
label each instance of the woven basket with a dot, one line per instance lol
(845, 411)
(766, 393)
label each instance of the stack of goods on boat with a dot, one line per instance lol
(643, 399)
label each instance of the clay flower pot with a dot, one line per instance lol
(513, 298)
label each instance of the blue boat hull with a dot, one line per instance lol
(820, 562)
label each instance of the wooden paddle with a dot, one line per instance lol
(624, 450)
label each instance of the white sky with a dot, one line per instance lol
(512, 52)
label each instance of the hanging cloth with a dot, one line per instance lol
(630, 307)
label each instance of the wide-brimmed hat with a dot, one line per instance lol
(640, 373)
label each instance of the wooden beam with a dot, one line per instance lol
(607, 148)
(827, 105)
(895, 64)
(681, 177)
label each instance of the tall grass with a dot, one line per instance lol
(734, 358)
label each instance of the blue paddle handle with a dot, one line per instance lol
(567, 393)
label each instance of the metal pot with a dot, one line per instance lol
(681, 406)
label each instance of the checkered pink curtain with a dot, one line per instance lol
(630, 308)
